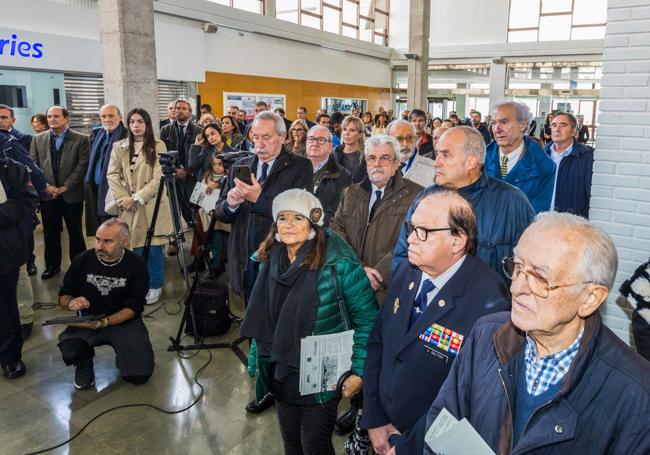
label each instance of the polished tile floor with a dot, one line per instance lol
(42, 409)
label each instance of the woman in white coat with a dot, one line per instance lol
(134, 177)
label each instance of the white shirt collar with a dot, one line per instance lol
(514, 156)
(555, 155)
(441, 279)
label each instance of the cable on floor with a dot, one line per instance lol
(143, 405)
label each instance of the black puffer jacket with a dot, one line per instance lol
(18, 200)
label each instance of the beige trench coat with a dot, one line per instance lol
(143, 182)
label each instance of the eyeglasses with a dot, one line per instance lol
(318, 140)
(538, 284)
(408, 139)
(384, 159)
(299, 129)
(422, 233)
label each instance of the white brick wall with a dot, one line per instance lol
(620, 201)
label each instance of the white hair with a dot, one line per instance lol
(320, 128)
(381, 139)
(280, 126)
(398, 122)
(522, 111)
(599, 260)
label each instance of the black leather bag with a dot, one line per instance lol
(210, 303)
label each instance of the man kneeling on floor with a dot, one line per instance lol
(112, 281)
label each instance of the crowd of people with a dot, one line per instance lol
(457, 255)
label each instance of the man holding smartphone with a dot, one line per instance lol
(247, 207)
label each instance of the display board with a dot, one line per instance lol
(343, 105)
(246, 101)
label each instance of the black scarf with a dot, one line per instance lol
(282, 308)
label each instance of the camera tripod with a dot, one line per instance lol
(168, 181)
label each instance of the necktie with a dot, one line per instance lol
(420, 303)
(375, 204)
(181, 144)
(265, 170)
(504, 166)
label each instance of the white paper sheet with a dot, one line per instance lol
(323, 359)
(448, 436)
(201, 198)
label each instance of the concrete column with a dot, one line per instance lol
(418, 67)
(269, 8)
(498, 75)
(461, 102)
(129, 55)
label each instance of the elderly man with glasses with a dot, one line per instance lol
(415, 167)
(369, 218)
(330, 178)
(549, 377)
(434, 299)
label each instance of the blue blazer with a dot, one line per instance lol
(573, 188)
(403, 373)
(534, 173)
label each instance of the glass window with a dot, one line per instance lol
(313, 6)
(381, 22)
(555, 28)
(350, 12)
(331, 20)
(589, 12)
(13, 95)
(556, 6)
(524, 13)
(366, 30)
(287, 10)
(254, 6)
(556, 20)
(349, 31)
(310, 21)
(597, 32)
(522, 36)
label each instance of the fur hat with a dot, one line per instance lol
(299, 201)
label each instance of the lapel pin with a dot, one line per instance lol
(441, 303)
(411, 286)
(396, 306)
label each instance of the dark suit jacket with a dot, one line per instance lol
(74, 162)
(403, 373)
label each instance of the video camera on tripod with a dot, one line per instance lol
(169, 163)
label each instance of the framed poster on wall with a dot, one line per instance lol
(343, 105)
(246, 101)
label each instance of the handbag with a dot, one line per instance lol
(358, 442)
(110, 203)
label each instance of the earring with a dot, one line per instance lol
(312, 235)
(277, 237)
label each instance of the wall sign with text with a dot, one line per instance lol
(13, 46)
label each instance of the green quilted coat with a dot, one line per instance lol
(360, 307)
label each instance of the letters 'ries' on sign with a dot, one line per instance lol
(13, 47)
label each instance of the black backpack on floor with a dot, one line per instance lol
(211, 308)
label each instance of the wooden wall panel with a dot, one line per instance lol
(298, 93)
